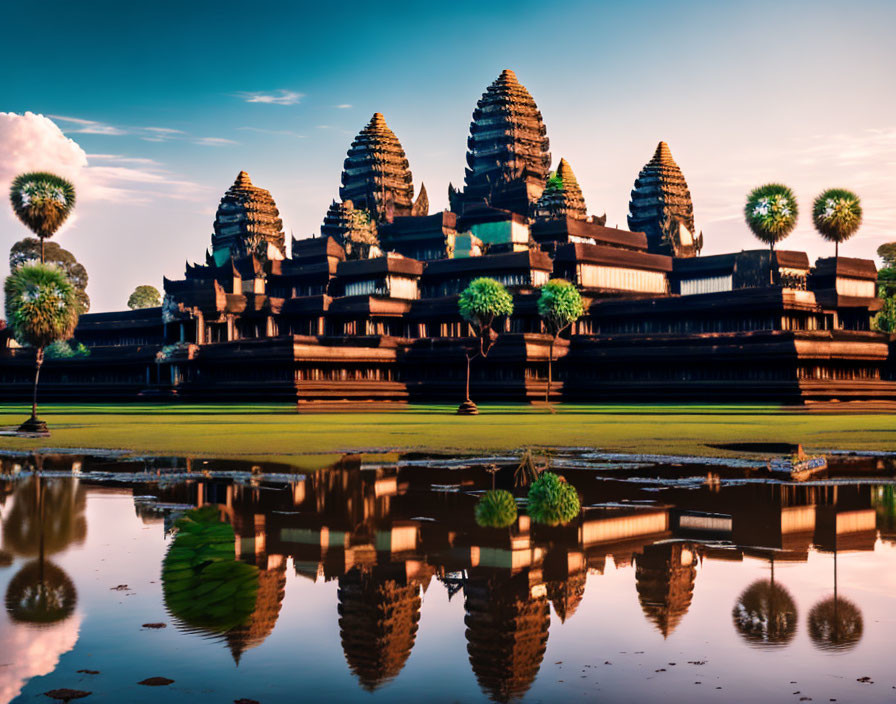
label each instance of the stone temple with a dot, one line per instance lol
(366, 310)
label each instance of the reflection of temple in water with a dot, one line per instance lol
(378, 614)
(507, 621)
(665, 575)
(383, 531)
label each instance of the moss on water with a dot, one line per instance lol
(267, 430)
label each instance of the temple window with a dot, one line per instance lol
(622, 279)
(709, 284)
(855, 287)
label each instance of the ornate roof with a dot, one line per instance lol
(507, 157)
(659, 199)
(562, 196)
(376, 175)
(247, 222)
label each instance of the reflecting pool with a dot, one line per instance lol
(412, 578)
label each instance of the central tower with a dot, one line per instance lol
(508, 158)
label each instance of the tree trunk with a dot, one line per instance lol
(469, 359)
(42, 250)
(771, 270)
(38, 360)
(836, 251)
(547, 393)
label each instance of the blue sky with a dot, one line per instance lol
(168, 101)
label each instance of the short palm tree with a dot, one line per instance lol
(837, 215)
(42, 201)
(559, 306)
(771, 212)
(41, 308)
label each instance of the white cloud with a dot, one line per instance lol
(343, 106)
(286, 133)
(213, 142)
(33, 142)
(277, 97)
(90, 126)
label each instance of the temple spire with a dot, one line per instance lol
(562, 197)
(376, 176)
(247, 222)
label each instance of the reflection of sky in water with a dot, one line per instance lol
(303, 658)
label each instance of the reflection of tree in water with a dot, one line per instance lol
(59, 522)
(835, 623)
(206, 589)
(507, 634)
(765, 614)
(378, 618)
(665, 574)
(40, 593)
(567, 594)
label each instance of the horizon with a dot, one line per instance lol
(157, 137)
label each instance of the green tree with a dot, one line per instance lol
(837, 215)
(496, 508)
(552, 500)
(28, 249)
(480, 304)
(42, 201)
(41, 308)
(145, 297)
(559, 306)
(887, 252)
(771, 213)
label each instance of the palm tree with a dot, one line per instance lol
(837, 215)
(771, 213)
(42, 201)
(41, 308)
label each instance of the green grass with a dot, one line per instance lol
(266, 430)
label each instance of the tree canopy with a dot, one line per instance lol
(771, 212)
(28, 250)
(42, 201)
(484, 300)
(552, 500)
(41, 305)
(887, 252)
(559, 305)
(837, 214)
(145, 297)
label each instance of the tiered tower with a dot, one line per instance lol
(354, 229)
(661, 205)
(562, 196)
(665, 574)
(508, 159)
(376, 175)
(247, 222)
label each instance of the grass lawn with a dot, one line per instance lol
(264, 430)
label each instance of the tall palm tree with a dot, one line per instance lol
(771, 212)
(837, 215)
(42, 201)
(41, 308)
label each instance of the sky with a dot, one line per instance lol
(153, 108)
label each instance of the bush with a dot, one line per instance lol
(552, 500)
(496, 509)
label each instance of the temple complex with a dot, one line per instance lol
(367, 310)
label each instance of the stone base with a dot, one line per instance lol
(34, 425)
(467, 408)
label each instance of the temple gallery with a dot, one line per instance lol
(367, 310)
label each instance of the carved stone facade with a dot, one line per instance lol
(661, 205)
(247, 223)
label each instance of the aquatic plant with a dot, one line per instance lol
(496, 509)
(837, 215)
(552, 500)
(203, 584)
(530, 468)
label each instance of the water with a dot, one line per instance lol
(679, 581)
